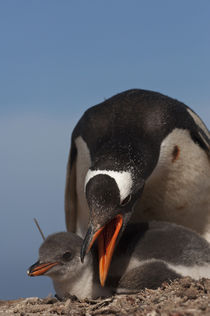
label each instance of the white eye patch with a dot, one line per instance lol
(123, 180)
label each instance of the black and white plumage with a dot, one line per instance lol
(157, 252)
(142, 156)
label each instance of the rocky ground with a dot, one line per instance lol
(183, 297)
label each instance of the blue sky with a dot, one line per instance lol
(57, 58)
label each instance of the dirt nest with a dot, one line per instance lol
(179, 298)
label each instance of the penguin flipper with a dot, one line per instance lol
(203, 139)
(70, 191)
(201, 133)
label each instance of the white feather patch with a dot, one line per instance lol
(123, 180)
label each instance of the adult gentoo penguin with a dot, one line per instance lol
(157, 252)
(137, 156)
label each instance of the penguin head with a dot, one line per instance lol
(111, 196)
(113, 183)
(59, 257)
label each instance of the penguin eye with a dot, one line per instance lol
(67, 256)
(126, 200)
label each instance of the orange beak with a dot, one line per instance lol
(107, 236)
(40, 269)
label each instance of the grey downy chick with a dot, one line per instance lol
(147, 255)
(59, 258)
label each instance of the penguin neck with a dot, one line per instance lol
(84, 283)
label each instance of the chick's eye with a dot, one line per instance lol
(126, 200)
(67, 256)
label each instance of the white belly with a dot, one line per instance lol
(178, 190)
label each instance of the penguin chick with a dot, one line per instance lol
(147, 255)
(59, 258)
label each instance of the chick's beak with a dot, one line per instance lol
(107, 236)
(40, 268)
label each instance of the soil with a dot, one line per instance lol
(184, 297)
